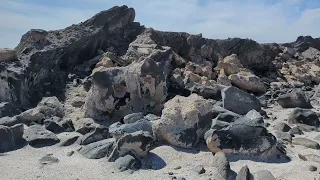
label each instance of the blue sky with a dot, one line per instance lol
(261, 20)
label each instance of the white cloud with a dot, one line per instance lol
(280, 22)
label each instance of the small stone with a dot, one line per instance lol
(302, 157)
(199, 169)
(176, 168)
(70, 153)
(170, 173)
(312, 168)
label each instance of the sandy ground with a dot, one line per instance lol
(24, 163)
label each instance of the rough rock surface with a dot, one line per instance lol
(10, 137)
(184, 120)
(37, 135)
(8, 109)
(295, 99)
(239, 101)
(139, 143)
(139, 87)
(7, 54)
(48, 107)
(248, 81)
(98, 149)
(303, 116)
(306, 142)
(127, 162)
(241, 138)
(98, 134)
(117, 130)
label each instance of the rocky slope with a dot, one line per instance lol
(119, 90)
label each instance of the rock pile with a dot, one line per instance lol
(145, 87)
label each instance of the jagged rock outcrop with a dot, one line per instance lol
(7, 54)
(45, 57)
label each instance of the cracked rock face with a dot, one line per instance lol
(139, 87)
(26, 81)
(184, 120)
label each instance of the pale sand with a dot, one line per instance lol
(24, 163)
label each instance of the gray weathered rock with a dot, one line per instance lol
(9, 121)
(139, 87)
(48, 107)
(239, 101)
(132, 118)
(295, 130)
(48, 159)
(244, 173)
(284, 136)
(199, 169)
(84, 125)
(117, 130)
(139, 143)
(98, 149)
(303, 116)
(306, 143)
(184, 120)
(98, 134)
(37, 135)
(8, 109)
(10, 137)
(127, 162)
(69, 141)
(297, 98)
(64, 51)
(264, 175)
(281, 126)
(52, 125)
(7, 54)
(254, 117)
(241, 138)
(221, 162)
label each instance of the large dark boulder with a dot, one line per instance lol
(304, 116)
(239, 101)
(28, 80)
(297, 98)
(241, 138)
(10, 137)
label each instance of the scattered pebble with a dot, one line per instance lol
(312, 168)
(70, 153)
(199, 169)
